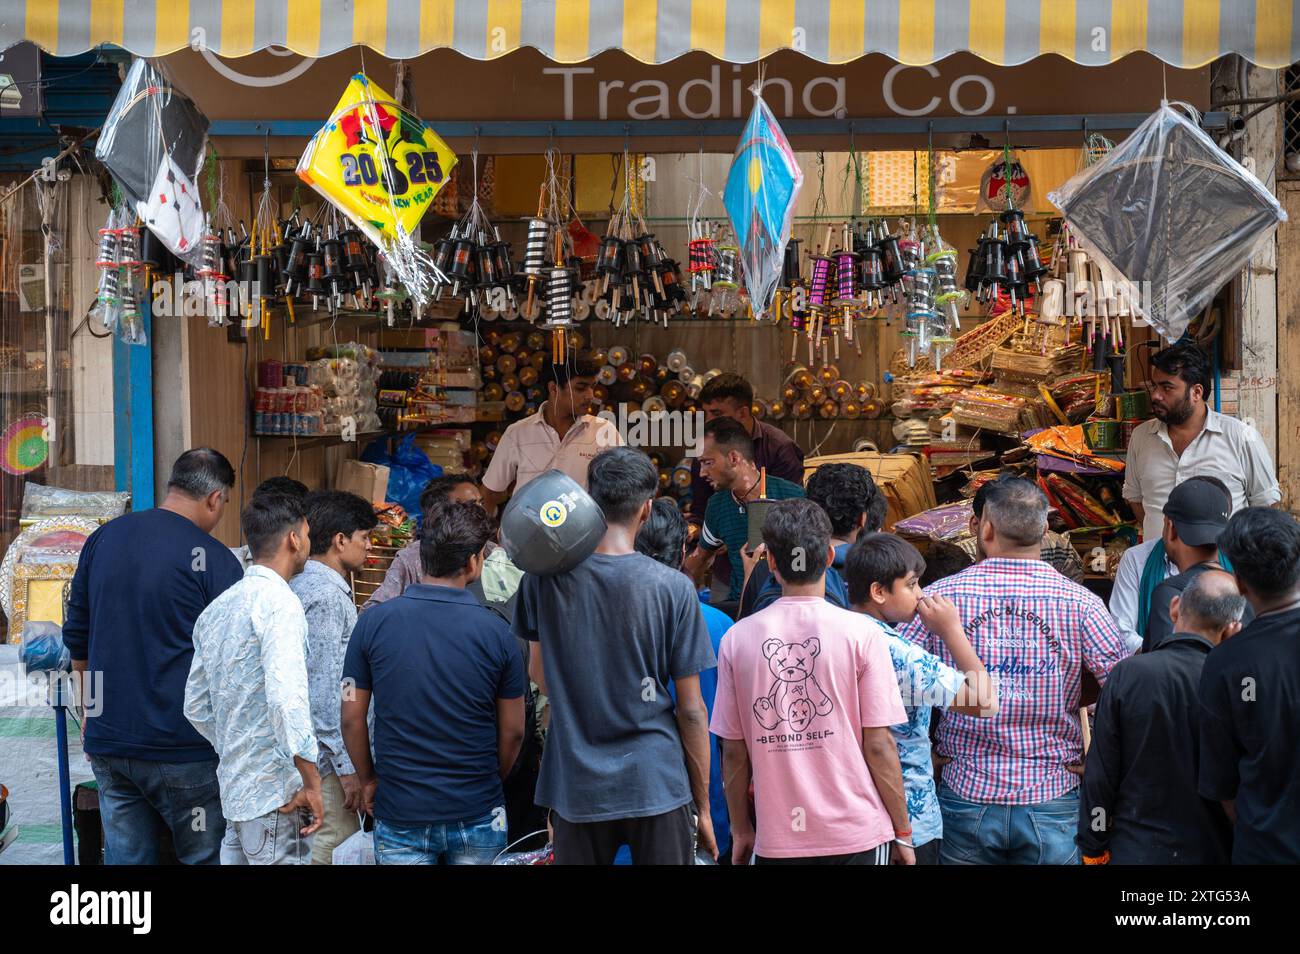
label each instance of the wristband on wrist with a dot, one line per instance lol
(1102, 859)
(902, 833)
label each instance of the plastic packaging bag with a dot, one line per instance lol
(1170, 211)
(760, 195)
(945, 522)
(545, 855)
(41, 502)
(357, 849)
(153, 142)
(409, 470)
(41, 648)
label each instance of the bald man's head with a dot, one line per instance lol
(1211, 607)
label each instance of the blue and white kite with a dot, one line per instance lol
(762, 186)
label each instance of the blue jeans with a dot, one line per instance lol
(144, 805)
(476, 842)
(977, 833)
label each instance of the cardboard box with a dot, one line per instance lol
(903, 478)
(369, 481)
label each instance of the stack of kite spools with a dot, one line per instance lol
(820, 393)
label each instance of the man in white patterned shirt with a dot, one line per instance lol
(247, 695)
(340, 542)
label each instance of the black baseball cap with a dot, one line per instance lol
(1199, 510)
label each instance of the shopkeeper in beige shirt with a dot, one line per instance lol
(1188, 439)
(558, 436)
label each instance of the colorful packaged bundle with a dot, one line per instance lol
(992, 410)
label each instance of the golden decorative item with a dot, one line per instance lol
(40, 592)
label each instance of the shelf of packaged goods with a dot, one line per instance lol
(319, 440)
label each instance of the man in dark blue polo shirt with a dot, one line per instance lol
(448, 685)
(1250, 694)
(141, 582)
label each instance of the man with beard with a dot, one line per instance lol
(1188, 439)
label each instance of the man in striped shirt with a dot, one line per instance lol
(1010, 795)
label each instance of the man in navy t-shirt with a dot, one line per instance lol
(448, 685)
(141, 582)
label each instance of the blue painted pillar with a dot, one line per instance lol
(133, 414)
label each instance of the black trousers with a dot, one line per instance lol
(666, 839)
(872, 856)
(928, 854)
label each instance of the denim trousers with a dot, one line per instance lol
(474, 842)
(272, 839)
(153, 812)
(979, 833)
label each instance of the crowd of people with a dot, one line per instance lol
(837, 698)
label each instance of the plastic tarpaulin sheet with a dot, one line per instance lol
(29, 765)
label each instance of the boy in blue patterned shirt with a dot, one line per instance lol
(883, 573)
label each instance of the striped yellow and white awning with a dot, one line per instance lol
(1184, 33)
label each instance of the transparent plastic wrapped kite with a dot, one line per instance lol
(760, 195)
(153, 143)
(1172, 213)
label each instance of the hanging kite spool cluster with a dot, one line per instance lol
(1079, 290)
(117, 300)
(1006, 262)
(846, 280)
(635, 276)
(559, 303)
(472, 264)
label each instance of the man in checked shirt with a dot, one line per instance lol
(1010, 794)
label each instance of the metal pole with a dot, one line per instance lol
(58, 691)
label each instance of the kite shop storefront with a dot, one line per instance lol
(577, 148)
(934, 163)
(935, 158)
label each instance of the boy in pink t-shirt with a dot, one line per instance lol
(806, 695)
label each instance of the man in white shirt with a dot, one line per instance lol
(558, 436)
(1188, 439)
(1126, 593)
(247, 695)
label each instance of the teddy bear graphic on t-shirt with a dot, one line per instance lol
(795, 696)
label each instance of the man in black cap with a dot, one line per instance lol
(1195, 514)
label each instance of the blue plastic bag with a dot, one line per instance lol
(409, 470)
(41, 648)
